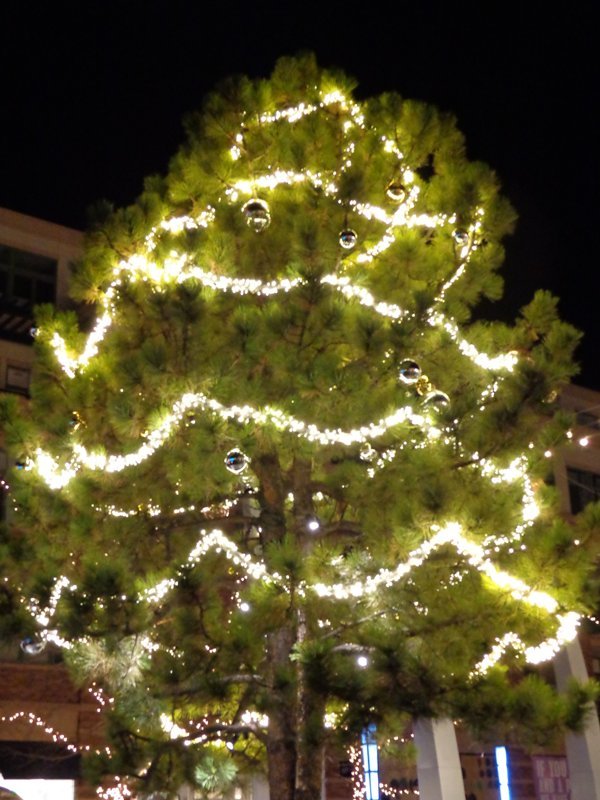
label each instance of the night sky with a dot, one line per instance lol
(92, 97)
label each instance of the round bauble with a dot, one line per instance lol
(348, 238)
(409, 371)
(423, 385)
(257, 214)
(436, 400)
(236, 461)
(32, 645)
(367, 453)
(461, 237)
(396, 191)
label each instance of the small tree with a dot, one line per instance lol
(285, 475)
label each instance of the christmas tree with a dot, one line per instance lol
(283, 486)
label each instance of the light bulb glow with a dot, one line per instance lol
(177, 269)
(450, 534)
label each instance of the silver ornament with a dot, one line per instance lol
(367, 453)
(396, 191)
(461, 237)
(436, 400)
(236, 461)
(409, 371)
(32, 645)
(257, 214)
(348, 238)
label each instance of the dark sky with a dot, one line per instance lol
(93, 93)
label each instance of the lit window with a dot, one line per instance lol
(370, 763)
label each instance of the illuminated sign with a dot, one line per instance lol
(36, 790)
(551, 775)
(502, 767)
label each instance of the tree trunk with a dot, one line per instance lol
(309, 731)
(281, 739)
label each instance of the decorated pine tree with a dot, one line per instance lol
(282, 486)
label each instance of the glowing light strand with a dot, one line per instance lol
(450, 534)
(58, 476)
(141, 266)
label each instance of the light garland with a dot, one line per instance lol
(138, 266)
(178, 269)
(56, 736)
(57, 476)
(120, 791)
(450, 534)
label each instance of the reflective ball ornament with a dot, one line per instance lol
(396, 191)
(409, 371)
(32, 646)
(423, 386)
(367, 453)
(436, 400)
(257, 214)
(348, 238)
(236, 461)
(461, 237)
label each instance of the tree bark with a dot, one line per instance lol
(281, 734)
(309, 733)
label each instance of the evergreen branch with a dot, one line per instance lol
(230, 728)
(241, 678)
(341, 528)
(354, 624)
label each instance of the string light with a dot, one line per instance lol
(57, 476)
(177, 269)
(450, 534)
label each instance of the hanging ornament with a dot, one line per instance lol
(436, 400)
(75, 421)
(409, 371)
(348, 238)
(423, 385)
(396, 191)
(32, 645)
(248, 504)
(258, 216)
(236, 461)
(367, 453)
(461, 237)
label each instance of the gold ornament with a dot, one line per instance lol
(423, 385)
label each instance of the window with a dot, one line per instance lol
(17, 378)
(584, 488)
(26, 279)
(368, 742)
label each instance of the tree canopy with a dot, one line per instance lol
(285, 485)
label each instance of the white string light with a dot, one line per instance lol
(450, 534)
(177, 269)
(139, 266)
(57, 475)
